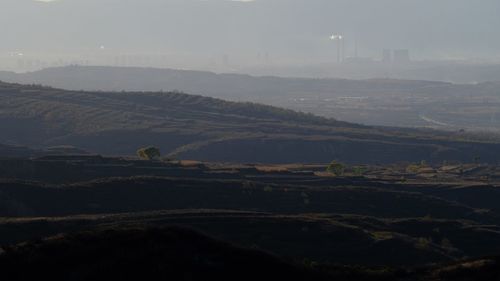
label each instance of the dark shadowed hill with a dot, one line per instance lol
(204, 128)
(380, 217)
(143, 254)
(136, 253)
(335, 238)
(292, 213)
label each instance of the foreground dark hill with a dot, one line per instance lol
(333, 238)
(197, 127)
(143, 254)
(180, 254)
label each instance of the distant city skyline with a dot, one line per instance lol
(197, 34)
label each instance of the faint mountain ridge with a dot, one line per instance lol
(222, 85)
(382, 101)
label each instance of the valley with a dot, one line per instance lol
(193, 127)
(376, 101)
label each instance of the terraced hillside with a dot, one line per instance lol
(292, 213)
(195, 127)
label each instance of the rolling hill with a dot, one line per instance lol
(138, 253)
(196, 127)
(386, 102)
(144, 254)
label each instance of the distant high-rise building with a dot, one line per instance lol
(387, 56)
(401, 56)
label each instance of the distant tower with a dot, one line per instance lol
(340, 40)
(401, 56)
(343, 49)
(387, 56)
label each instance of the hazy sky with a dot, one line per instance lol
(295, 29)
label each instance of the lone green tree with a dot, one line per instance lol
(336, 168)
(149, 153)
(359, 171)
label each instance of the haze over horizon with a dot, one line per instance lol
(202, 34)
(297, 140)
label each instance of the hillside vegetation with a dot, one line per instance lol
(388, 102)
(196, 127)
